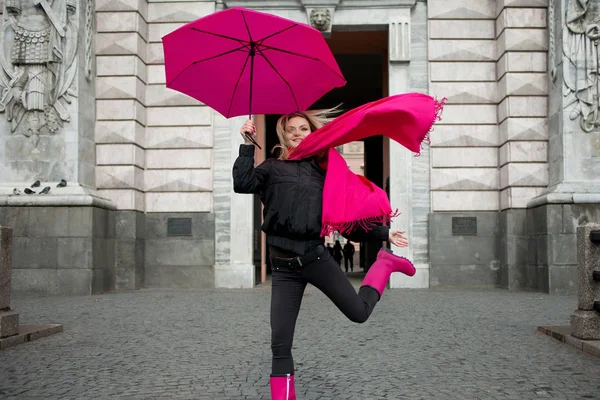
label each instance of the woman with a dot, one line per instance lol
(292, 193)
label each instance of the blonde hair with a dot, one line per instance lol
(315, 118)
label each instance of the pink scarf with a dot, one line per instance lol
(350, 200)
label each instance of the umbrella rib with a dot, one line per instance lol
(247, 27)
(240, 41)
(236, 84)
(282, 78)
(299, 55)
(206, 59)
(275, 33)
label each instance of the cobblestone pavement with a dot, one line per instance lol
(214, 344)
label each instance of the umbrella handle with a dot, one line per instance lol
(251, 138)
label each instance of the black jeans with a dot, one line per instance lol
(287, 290)
(349, 259)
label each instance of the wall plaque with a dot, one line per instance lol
(464, 225)
(179, 227)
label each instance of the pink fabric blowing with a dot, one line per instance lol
(350, 200)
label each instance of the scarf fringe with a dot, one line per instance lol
(365, 224)
(439, 109)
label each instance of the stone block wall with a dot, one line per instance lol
(154, 145)
(62, 250)
(489, 153)
(552, 231)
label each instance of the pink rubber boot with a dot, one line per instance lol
(379, 273)
(282, 387)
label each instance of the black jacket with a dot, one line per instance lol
(292, 194)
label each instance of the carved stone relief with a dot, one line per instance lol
(38, 64)
(320, 18)
(89, 38)
(552, 40)
(581, 37)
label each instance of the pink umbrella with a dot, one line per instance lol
(241, 62)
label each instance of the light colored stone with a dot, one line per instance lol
(464, 179)
(465, 92)
(461, 29)
(179, 12)
(521, 62)
(420, 280)
(518, 197)
(189, 180)
(179, 202)
(120, 87)
(464, 157)
(9, 323)
(517, 106)
(581, 152)
(179, 116)
(502, 4)
(588, 254)
(157, 31)
(523, 129)
(178, 137)
(120, 110)
(120, 132)
(520, 84)
(522, 40)
(91, 198)
(185, 158)
(120, 177)
(125, 199)
(462, 71)
(465, 136)
(235, 276)
(521, 18)
(469, 114)
(121, 22)
(123, 5)
(465, 201)
(461, 9)
(462, 50)
(159, 95)
(121, 66)
(523, 152)
(524, 174)
(155, 53)
(119, 154)
(117, 44)
(156, 74)
(586, 325)
(352, 16)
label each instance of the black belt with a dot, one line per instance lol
(300, 261)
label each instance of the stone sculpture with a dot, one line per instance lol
(320, 18)
(581, 65)
(38, 64)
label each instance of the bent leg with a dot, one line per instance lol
(287, 289)
(331, 280)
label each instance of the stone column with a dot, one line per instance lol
(63, 235)
(9, 320)
(573, 194)
(234, 233)
(401, 160)
(585, 321)
(522, 43)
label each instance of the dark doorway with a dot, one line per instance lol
(362, 57)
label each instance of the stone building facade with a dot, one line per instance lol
(493, 202)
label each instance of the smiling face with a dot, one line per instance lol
(296, 129)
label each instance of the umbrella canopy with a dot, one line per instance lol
(244, 62)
